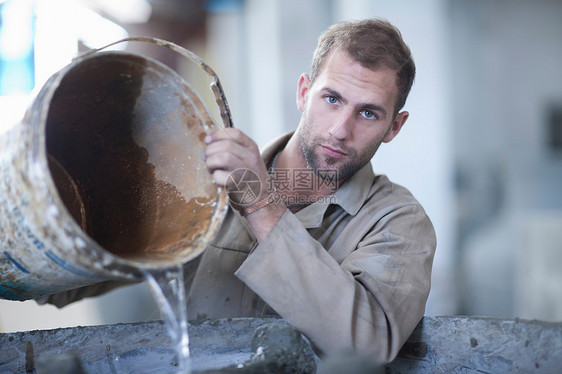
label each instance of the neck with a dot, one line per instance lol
(286, 164)
(291, 156)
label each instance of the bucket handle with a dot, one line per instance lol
(215, 84)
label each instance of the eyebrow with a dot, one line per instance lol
(363, 106)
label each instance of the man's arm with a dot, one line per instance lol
(366, 296)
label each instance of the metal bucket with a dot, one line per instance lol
(104, 177)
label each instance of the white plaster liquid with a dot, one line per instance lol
(168, 288)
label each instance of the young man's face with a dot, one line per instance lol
(347, 113)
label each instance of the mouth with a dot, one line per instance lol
(333, 152)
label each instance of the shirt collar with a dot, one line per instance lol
(350, 196)
(270, 149)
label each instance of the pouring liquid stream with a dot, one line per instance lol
(168, 289)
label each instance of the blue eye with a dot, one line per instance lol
(331, 99)
(368, 114)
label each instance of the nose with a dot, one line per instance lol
(341, 128)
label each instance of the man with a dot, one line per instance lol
(349, 262)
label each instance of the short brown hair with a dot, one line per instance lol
(374, 43)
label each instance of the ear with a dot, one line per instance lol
(302, 89)
(397, 124)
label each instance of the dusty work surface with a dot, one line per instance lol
(130, 348)
(472, 345)
(438, 345)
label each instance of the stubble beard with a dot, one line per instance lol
(324, 166)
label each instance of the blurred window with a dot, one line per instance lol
(16, 47)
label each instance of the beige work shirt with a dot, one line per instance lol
(354, 275)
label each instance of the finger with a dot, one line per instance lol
(226, 156)
(223, 161)
(227, 146)
(220, 177)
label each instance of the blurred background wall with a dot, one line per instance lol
(482, 149)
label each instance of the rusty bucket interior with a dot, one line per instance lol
(124, 140)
